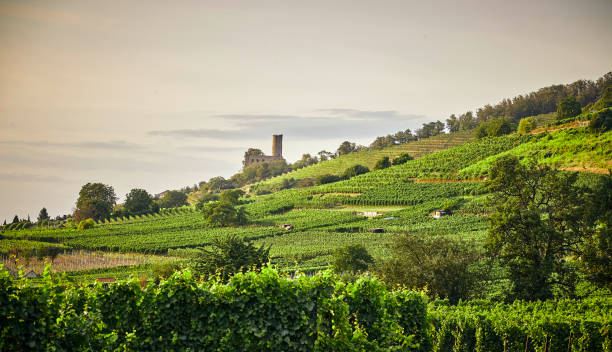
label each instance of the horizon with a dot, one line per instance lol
(161, 96)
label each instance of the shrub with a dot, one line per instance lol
(354, 171)
(601, 121)
(402, 159)
(568, 107)
(494, 128)
(327, 178)
(352, 258)
(86, 224)
(382, 163)
(526, 125)
(229, 256)
(444, 266)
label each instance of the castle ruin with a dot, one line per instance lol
(277, 153)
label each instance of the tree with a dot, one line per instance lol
(96, 201)
(526, 125)
(43, 215)
(601, 121)
(15, 220)
(382, 163)
(173, 199)
(596, 252)
(352, 258)
(538, 221)
(494, 128)
(325, 155)
(346, 147)
(138, 202)
(327, 178)
(446, 267)
(402, 159)
(224, 212)
(568, 107)
(452, 123)
(605, 101)
(228, 256)
(354, 171)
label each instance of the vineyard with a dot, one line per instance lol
(336, 166)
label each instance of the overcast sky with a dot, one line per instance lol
(163, 94)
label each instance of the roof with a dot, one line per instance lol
(106, 279)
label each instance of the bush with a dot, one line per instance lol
(354, 171)
(173, 199)
(494, 128)
(352, 258)
(526, 125)
(229, 256)
(87, 224)
(382, 163)
(444, 266)
(254, 312)
(601, 121)
(402, 159)
(165, 270)
(568, 107)
(327, 178)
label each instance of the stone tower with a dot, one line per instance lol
(277, 145)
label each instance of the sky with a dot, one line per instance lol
(164, 94)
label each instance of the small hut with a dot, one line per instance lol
(439, 213)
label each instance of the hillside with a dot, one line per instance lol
(368, 158)
(327, 217)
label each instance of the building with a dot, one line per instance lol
(277, 153)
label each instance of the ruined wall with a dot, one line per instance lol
(277, 153)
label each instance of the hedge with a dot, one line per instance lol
(253, 312)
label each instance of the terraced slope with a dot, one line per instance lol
(369, 158)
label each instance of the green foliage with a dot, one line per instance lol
(224, 212)
(354, 171)
(494, 128)
(402, 159)
(173, 199)
(382, 163)
(86, 224)
(96, 201)
(526, 125)
(253, 312)
(43, 215)
(601, 121)
(596, 252)
(445, 267)
(352, 258)
(138, 202)
(346, 147)
(539, 220)
(605, 101)
(327, 178)
(165, 270)
(564, 325)
(206, 198)
(229, 256)
(568, 107)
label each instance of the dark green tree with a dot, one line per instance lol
(568, 107)
(354, 171)
(538, 221)
(596, 253)
(346, 147)
(43, 215)
(352, 258)
(173, 199)
(447, 268)
(229, 256)
(15, 220)
(138, 202)
(96, 201)
(382, 163)
(601, 121)
(225, 211)
(327, 178)
(402, 159)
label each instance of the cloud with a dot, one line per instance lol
(201, 133)
(329, 124)
(112, 145)
(21, 177)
